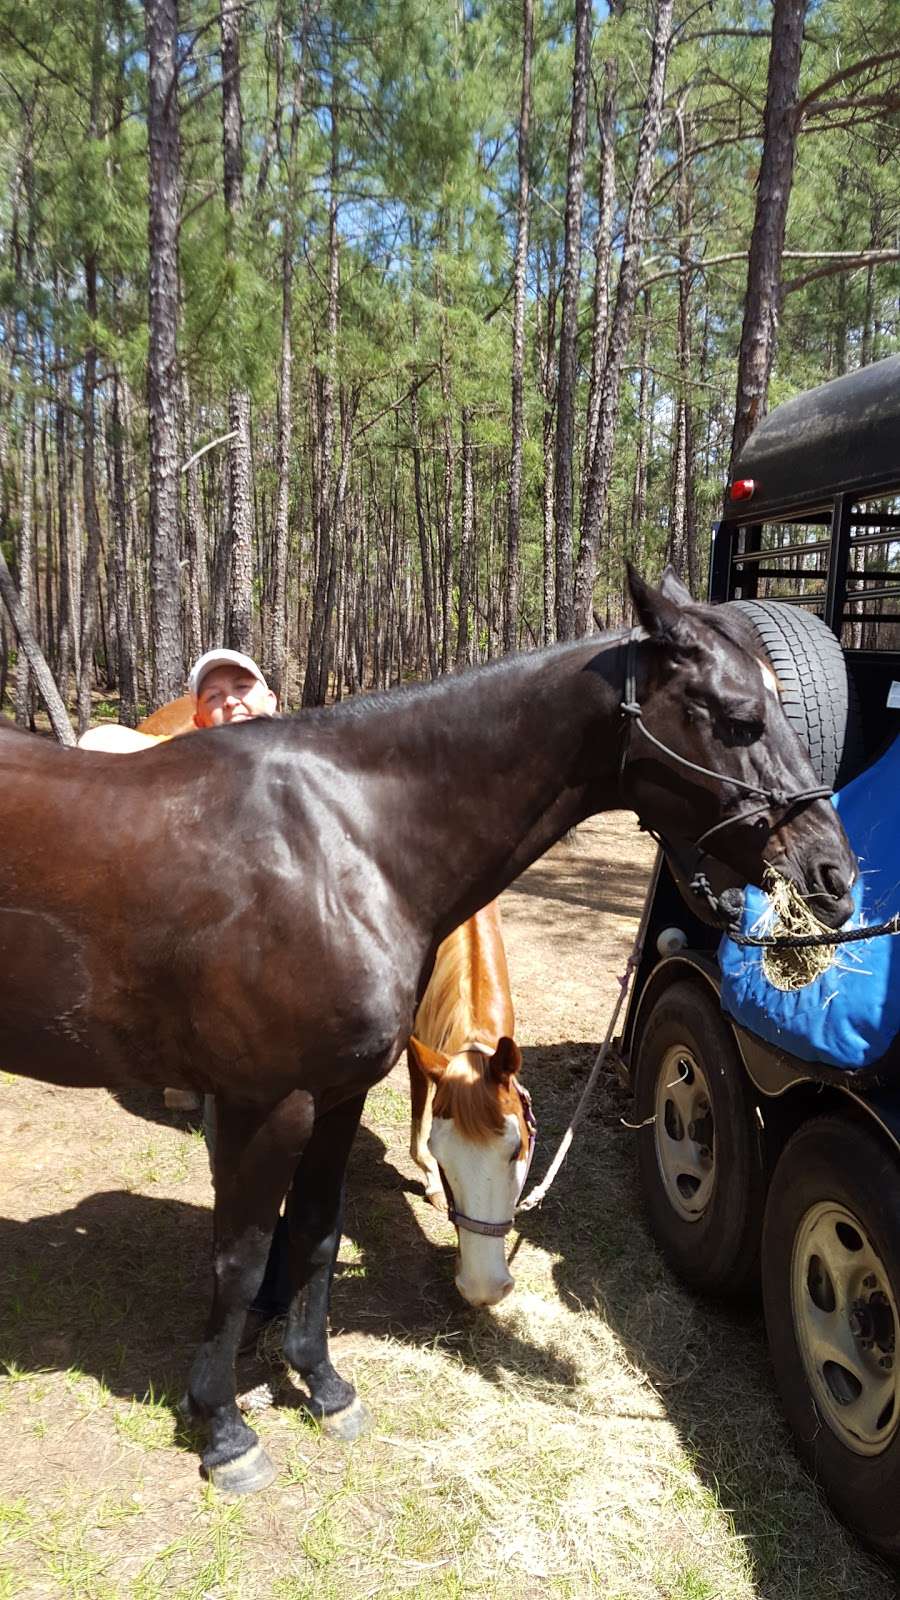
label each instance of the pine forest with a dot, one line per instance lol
(373, 339)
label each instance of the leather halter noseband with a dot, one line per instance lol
(493, 1230)
(770, 799)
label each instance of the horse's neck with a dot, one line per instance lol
(468, 1000)
(495, 767)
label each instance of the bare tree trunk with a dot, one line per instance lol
(65, 581)
(428, 595)
(24, 693)
(29, 647)
(626, 294)
(568, 337)
(639, 491)
(682, 554)
(162, 377)
(315, 683)
(606, 125)
(240, 628)
(776, 175)
(514, 504)
(124, 625)
(277, 644)
(89, 615)
(466, 541)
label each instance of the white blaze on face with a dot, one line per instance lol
(485, 1179)
(768, 678)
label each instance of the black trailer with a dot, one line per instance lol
(759, 1169)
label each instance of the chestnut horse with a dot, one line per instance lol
(254, 912)
(468, 1110)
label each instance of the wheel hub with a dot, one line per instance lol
(684, 1131)
(845, 1318)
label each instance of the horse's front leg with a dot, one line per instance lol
(314, 1217)
(421, 1095)
(256, 1153)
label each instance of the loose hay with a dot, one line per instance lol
(790, 916)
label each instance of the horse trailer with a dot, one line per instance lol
(766, 1160)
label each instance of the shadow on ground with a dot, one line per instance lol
(708, 1362)
(118, 1287)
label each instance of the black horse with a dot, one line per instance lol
(253, 912)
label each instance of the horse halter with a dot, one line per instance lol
(494, 1230)
(770, 799)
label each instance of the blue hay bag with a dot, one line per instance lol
(850, 1015)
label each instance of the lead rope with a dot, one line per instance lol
(540, 1189)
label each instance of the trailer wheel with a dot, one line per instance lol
(831, 1285)
(700, 1160)
(816, 692)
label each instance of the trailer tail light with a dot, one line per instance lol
(742, 489)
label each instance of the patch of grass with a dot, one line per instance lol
(387, 1107)
(158, 1165)
(150, 1423)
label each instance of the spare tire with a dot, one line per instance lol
(816, 693)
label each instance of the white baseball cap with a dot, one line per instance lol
(221, 658)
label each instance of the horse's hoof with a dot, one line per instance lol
(349, 1424)
(245, 1474)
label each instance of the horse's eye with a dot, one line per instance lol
(743, 732)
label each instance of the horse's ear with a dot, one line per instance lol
(659, 614)
(506, 1060)
(672, 587)
(431, 1063)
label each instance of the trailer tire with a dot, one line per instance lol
(700, 1159)
(831, 1287)
(816, 693)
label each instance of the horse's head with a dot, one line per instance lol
(709, 699)
(481, 1138)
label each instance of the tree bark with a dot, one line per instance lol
(315, 683)
(466, 541)
(240, 627)
(568, 337)
(606, 127)
(763, 301)
(277, 644)
(43, 677)
(165, 587)
(620, 329)
(514, 504)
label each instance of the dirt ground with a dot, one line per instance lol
(601, 1433)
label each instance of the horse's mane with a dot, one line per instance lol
(446, 1019)
(469, 1098)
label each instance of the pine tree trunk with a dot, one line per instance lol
(428, 594)
(776, 175)
(620, 329)
(24, 687)
(124, 623)
(315, 684)
(682, 553)
(520, 261)
(31, 651)
(606, 124)
(277, 645)
(639, 491)
(568, 336)
(162, 375)
(240, 626)
(466, 541)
